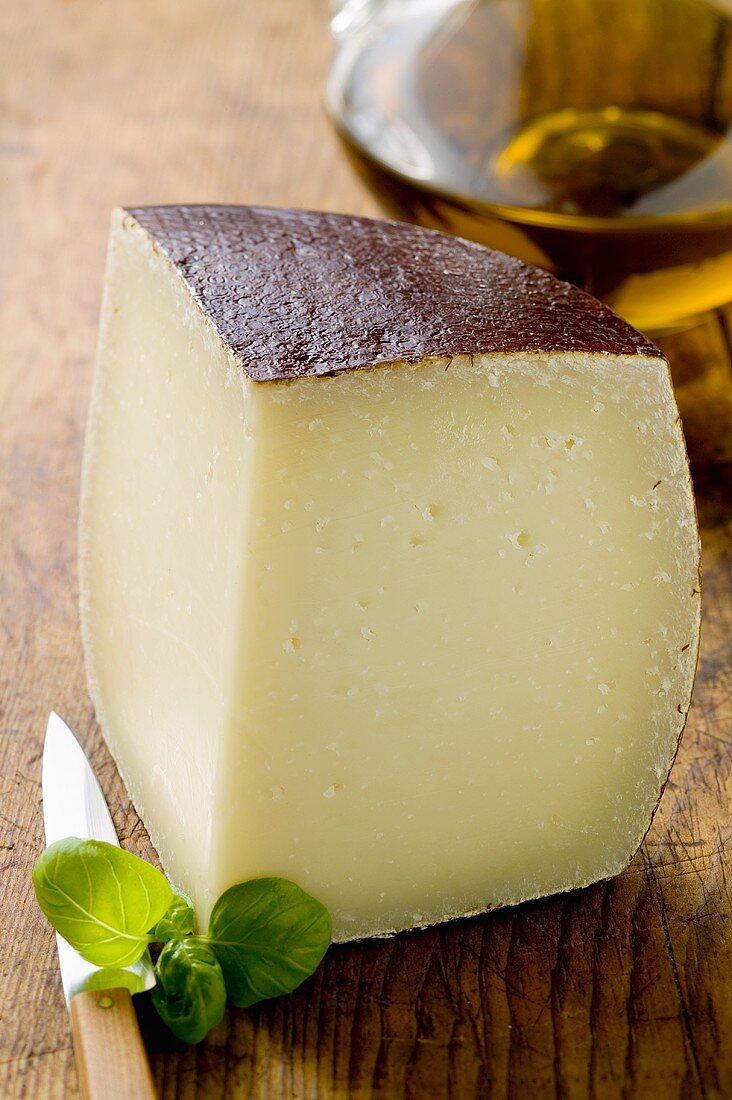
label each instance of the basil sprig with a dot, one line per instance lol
(265, 936)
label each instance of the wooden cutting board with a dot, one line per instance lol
(621, 990)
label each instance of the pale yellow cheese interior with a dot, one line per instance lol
(420, 638)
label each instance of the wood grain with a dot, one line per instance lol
(623, 990)
(111, 1060)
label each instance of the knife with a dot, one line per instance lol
(110, 1054)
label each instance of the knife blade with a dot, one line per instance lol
(110, 1055)
(73, 805)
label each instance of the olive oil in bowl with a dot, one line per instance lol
(592, 137)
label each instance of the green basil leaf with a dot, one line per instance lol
(190, 994)
(179, 920)
(269, 936)
(100, 898)
(112, 977)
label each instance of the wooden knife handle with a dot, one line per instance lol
(110, 1055)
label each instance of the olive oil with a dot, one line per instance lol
(593, 137)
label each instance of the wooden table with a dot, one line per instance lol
(620, 990)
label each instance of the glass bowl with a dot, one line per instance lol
(591, 137)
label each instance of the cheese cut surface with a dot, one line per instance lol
(419, 635)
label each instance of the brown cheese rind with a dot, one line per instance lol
(296, 293)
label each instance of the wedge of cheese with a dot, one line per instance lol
(389, 564)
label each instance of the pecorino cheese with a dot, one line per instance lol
(389, 564)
